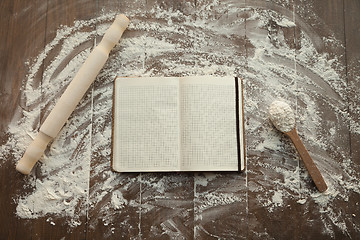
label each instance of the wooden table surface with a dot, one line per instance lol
(259, 203)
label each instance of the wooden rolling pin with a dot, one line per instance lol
(72, 95)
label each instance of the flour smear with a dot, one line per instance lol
(171, 43)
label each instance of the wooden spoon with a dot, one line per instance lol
(282, 116)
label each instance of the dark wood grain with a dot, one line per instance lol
(331, 23)
(6, 10)
(186, 205)
(352, 41)
(19, 44)
(5, 88)
(352, 37)
(24, 34)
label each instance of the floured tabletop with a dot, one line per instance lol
(306, 53)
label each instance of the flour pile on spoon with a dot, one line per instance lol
(282, 116)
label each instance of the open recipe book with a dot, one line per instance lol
(177, 124)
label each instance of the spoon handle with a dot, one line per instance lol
(309, 163)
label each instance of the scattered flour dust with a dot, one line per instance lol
(213, 46)
(117, 200)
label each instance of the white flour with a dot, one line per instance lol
(282, 116)
(61, 186)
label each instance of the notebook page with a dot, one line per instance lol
(146, 135)
(208, 124)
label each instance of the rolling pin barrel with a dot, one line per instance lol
(73, 94)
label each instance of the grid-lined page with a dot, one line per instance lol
(146, 136)
(208, 124)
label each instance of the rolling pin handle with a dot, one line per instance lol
(33, 153)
